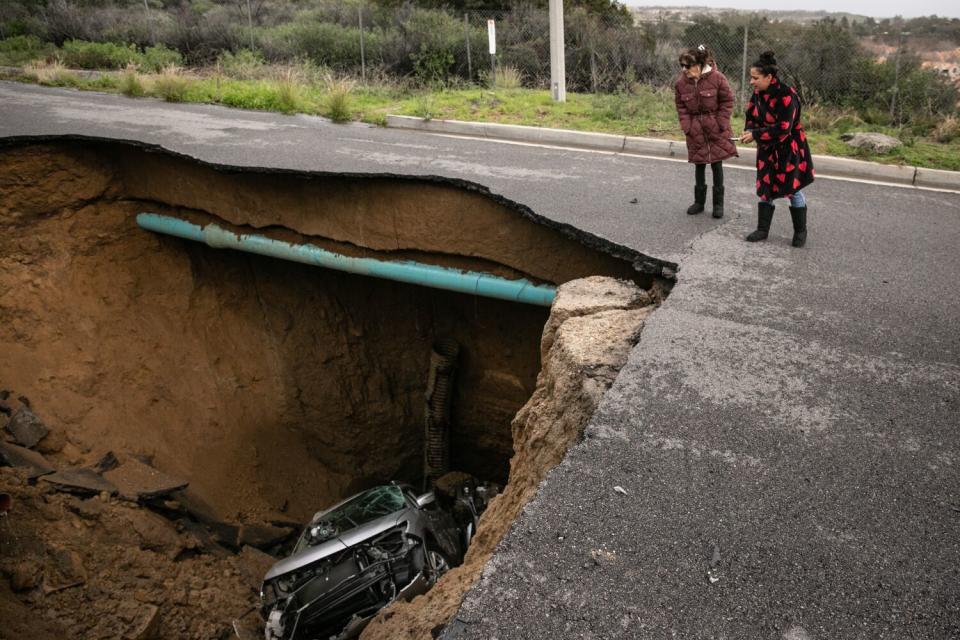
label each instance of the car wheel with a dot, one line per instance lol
(437, 564)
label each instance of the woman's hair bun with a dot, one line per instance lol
(768, 57)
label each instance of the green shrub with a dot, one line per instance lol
(325, 43)
(155, 58)
(432, 66)
(242, 65)
(20, 50)
(79, 54)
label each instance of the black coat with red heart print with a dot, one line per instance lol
(784, 163)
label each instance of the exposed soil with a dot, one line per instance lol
(273, 388)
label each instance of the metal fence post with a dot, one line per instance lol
(466, 36)
(743, 69)
(363, 56)
(896, 74)
(492, 42)
(250, 24)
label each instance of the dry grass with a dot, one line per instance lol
(289, 83)
(948, 130)
(508, 77)
(170, 84)
(51, 73)
(130, 83)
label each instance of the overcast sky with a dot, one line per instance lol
(877, 9)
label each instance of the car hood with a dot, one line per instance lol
(334, 546)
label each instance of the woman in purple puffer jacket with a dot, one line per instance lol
(704, 106)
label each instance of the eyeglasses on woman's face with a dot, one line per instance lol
(685, 66)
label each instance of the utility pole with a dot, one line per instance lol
(558, 69)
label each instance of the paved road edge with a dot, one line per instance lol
(827, 166)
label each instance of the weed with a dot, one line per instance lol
(52, 74)
(288, 88)
(947, 131)
(508, 77)
(338, 98)
(130, 84)
(170, 84)
(424, 106)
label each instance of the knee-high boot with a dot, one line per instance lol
(799, 216)
(717, 201)
(764, 218)
(699, 199)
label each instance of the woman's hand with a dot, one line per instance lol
(747, 137)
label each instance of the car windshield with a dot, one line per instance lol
(359, 510)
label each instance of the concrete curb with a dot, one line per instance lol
(827, 166)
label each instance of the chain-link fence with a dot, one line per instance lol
(605, 53)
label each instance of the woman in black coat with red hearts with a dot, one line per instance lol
(784, 163)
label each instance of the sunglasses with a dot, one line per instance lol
(685, 66)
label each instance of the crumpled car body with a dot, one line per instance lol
(355, 558)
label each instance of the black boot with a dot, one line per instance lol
(799, 216)
(699, 199)
(764, 217)
(717, 201)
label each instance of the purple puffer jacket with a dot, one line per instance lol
(704, 107)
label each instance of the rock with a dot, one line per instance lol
(145, 624)
(10, 405)
(53, 443)
(586, 296)
(254, 564)
(138, 481)
(876, 142)
(155, 533)
(86, 509)
(83, 481)
(25, 576)
(27, 428)
(108, 462)
(31, 462)
(262, 536)
(64, 569)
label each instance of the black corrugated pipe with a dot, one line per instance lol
(439, 397)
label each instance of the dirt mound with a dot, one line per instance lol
(101, 567)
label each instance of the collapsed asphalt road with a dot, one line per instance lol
(784, 435)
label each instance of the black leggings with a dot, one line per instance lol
(701, 173)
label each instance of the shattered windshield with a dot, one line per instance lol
(364, 508)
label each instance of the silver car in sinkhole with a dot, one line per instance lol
(358, 556)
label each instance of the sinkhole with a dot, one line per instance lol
(274, 387)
